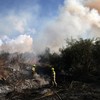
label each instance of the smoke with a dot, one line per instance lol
(76, 19)
(89, 16)
(17, 28)
(14, 23)
(21, 44)
(95, 4)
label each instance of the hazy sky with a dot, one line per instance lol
(22, 16)
(23, 20)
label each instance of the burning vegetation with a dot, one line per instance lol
(77, 73)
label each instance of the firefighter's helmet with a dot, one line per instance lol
(52, 69)
(34, 65)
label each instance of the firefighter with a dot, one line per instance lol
(53, 79)
(33, 69)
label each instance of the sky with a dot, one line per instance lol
(31, 13)
(33, 25)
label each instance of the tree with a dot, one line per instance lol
(96, 57)
(77, 57)
(79, 60)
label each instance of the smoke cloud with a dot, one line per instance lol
(77, 18)
(95, 4)
(21, 44)
(90, 16)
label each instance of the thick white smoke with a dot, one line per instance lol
(21, 44)
(84, 13)
(75, 20)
